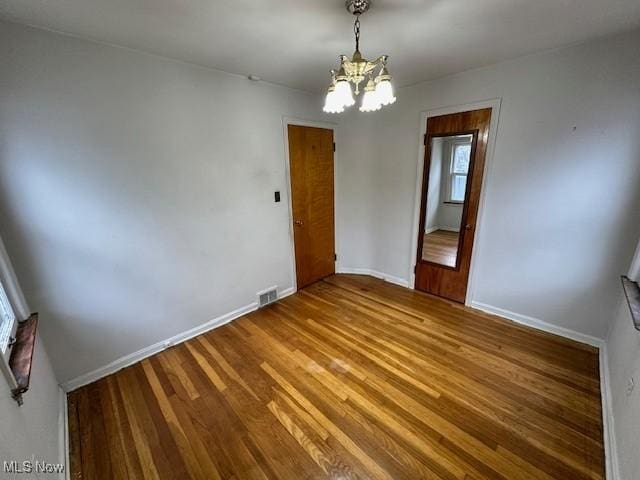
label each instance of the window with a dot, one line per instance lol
(458, 171)
(7, 323)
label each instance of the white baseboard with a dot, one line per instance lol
(446, 229)
(383, 276)
(286, 292)
(135, 357)
(612, 467)
(539, 324)
(449, 229)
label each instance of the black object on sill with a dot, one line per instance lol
(21, 359)
(632, 292)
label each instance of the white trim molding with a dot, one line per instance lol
(539, 324)
(383, 276)
(12, 286)
(146, 352)
(13, 300)
(612, 467)
(63, 435)
(634, 270)
(446, 229)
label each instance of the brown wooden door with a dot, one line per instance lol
(311, 166)
(450, 198)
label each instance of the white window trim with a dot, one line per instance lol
(8, 322)
(450, 175)
(12, 287)
(8, 328)
(634, 270)
(17, 304)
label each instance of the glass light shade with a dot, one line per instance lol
(384, 91)
(343, 93)
(370, 100)
(331, 104)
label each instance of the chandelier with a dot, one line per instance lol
(378, 90)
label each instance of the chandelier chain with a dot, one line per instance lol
(356, 31)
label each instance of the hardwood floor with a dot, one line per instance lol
(441, 247)
(350, 378)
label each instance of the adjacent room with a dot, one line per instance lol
(341, 239)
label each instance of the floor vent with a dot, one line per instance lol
(267, 297)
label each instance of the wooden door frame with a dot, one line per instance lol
(286, 121)
(494, 104)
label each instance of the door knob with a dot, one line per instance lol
(467, 227)
(298, 223)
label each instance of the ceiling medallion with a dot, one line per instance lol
(378, 90)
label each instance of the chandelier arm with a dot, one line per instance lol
(382, 59)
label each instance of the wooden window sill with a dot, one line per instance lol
(632, 292)
(21, 359)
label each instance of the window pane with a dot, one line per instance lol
(461, 156)
(458, 186)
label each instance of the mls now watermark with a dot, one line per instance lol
(32, 466)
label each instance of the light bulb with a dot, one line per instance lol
(343, 93)
(384, 91)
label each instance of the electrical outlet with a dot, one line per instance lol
(630, 386)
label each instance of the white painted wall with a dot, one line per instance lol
(31, 432)
(136, 193)
(561, 193)
(432, 215)
(450, 216)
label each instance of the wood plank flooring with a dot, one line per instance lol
(441, 247)
(349, 378)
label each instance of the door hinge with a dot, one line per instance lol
(334, 146)
(424, 139)
(415, 268)
(335, 256)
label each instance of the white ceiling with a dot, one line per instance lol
(296, 42)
